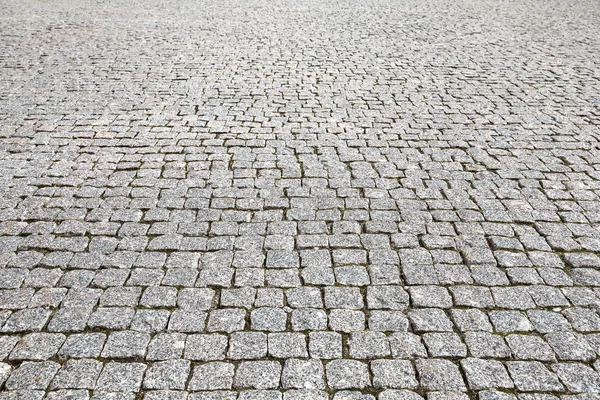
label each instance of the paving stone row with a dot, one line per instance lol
(299, 200)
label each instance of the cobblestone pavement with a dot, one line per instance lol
(294, 200)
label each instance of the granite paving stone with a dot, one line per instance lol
(294, 200)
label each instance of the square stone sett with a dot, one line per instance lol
(368, 345)
(308, 319)
(284, 278)
(347, 374)
(579, 296)
(48, 298)
(548, 321)
(429, 319)
(420, 274)
(121, 377)
(180, 277)
(42, 277)
(106, 278)
(148, 259)
(527, 347)
(406, 345)
(387, 321)
(268, 319)
(472, 296)
(352, 275)
(325, 345)
(258, 375)
(159, 296)
(315, 258)
(82, 345)
(32, 375)
(205, 347)
(439, 375)
(486, 345)
(384, 274)
(471, 320)
(453, 274)
(211, 376)
(513, 297)
(120, 296)
(14, 299)
(150, 321)
(269, 297)
(303, 374)
(533, 376)
(485, 374)
(30, 319)
(170, 374)
(577, 377)
(387, 297)
(241, 297)
(37, 346)
(195, 299)
(249, 277)
(583, 319)
(394, 374)
(215, 276)
(570, 347)
(165, 346)
(112, 318)
(349, 257)
(444, 345)
(226, 320)
(343, 297)
(77, 374)
(187, 321)
(346, 320)
(510, 321)
(488, 275)
(318, 276)
(247, 345)
(145, 277)
(304, 297)
(524, 276)
(286, 345)
(430, 296)
(282, 259)
(126, 344)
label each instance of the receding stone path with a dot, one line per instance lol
(300, 200)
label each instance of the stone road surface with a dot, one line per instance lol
(300, 200)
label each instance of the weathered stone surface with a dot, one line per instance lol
(345, 200)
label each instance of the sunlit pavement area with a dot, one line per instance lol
(300, 200)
